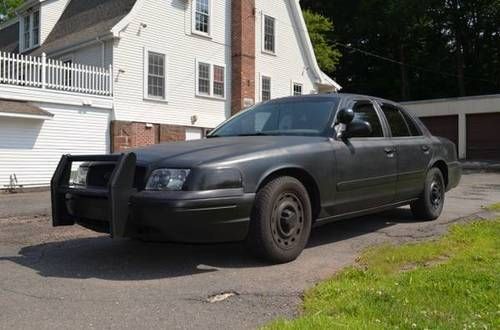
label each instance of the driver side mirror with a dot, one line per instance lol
(348, 127)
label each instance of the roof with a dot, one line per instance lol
(9, 38)
(85, 20)
(10, 108)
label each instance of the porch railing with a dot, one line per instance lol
(41, 72)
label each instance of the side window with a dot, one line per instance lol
(397, 122)
(365, 111)
(414, 129)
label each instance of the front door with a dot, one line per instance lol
(414, 152)
(366, 166)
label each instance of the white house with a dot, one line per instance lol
(107, 75)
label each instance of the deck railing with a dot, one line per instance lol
(41, 72)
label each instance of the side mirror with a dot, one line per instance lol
(208, 131)
(345, 116)
(358, 128)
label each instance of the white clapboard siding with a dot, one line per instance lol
(289, 64)
(41, 72)
(31, 148)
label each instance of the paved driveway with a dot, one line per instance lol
(70, 277)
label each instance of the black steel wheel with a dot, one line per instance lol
(430, 204)
(281, 220)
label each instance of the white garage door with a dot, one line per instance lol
(30, 149)
(193, 133)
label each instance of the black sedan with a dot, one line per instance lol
(265, 176)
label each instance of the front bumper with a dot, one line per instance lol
(122, 211)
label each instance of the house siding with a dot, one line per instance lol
(31, 149)
(98, 54)
(50, 12)
(168, 31)
(289, 64)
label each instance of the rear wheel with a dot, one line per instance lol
(430, 204)
(281, 220)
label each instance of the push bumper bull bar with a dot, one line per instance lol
(117, 193)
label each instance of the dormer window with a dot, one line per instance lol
(31, 30)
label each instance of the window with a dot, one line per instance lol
(204, 78)
(31, 30)
(415, 131)
(297, 89)
(397, 122)
(310, 117)
(269, 34)
(36, 28)
(201, 16)
(219, 81)
(156, 75)
(365, 111)
(27, 32)
(266, 88)
(211, 80)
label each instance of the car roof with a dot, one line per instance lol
(333, 96)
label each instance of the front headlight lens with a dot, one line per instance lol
(80, 178)
(167, 179)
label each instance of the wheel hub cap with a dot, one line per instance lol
(287, 220)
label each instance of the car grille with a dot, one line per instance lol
(99, 175)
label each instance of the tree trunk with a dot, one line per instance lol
(460, 68)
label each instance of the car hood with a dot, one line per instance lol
(193, 153)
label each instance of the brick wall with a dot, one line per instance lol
(126, 135)
(243, 53)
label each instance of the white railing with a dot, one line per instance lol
(41, 72)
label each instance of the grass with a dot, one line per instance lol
(450, 283)
(494, 207)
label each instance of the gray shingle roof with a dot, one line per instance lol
(9, 38)
(85, 20)
(22, 108)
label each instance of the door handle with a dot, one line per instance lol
(426, 148)
(390, 152)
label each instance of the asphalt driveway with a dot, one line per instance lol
(73, 278)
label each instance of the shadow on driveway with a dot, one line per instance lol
(130, 260)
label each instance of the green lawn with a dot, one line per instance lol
(450, 283)
(494, 207)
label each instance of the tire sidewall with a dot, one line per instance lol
(266, 201)
(434, 213)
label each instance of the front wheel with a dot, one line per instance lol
(430, 204)
(281, 220)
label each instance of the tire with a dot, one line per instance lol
(430, 204)
(281, 220)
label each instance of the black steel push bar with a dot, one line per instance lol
(117, 192)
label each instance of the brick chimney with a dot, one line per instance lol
(243, 54)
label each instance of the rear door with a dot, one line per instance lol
(413, 148)
(366, 166)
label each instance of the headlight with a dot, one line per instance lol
(167, 179)
(80, 178)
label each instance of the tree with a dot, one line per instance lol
(319, 28)
(415, 49)
(7, 8)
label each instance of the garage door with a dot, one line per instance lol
(483, 136)
(445, 126)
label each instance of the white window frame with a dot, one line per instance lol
(211, 94)
(31, 17)
(294, 83)
(146, 75)
(193, 20)
(263, 34)
(261, 85)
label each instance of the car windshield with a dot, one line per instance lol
(308, 117)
